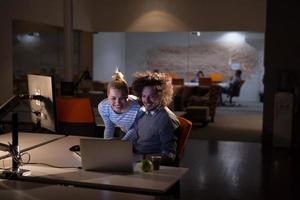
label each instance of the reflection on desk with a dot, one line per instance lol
(154, 182)
(12, 190)
(28, 141)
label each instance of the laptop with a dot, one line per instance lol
(106, 155)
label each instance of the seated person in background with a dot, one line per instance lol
(85, 82)
(156, 70)
(157, 125)
(197, 76)
(119, 109)
(226, 87)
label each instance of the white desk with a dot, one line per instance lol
(57, 153)
(155, 182)
(28, 140)
(12, 190)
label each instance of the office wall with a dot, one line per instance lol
(179, 15)
(43, 53)
(139, 45)
(134, 15)
(6, 77)
(39, 11)
(147, 15)
(108, 53)
(86, 50)
(51, 12)
(183, 54)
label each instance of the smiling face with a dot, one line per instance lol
(117, 100)
(149, 98)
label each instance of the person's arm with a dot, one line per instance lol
(109, 126)
(131, 134)
(168, 139)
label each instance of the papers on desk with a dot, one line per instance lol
(224, 84)
(191, 83)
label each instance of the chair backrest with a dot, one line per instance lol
(74, 110)
(184, 132)
(236, 88)
(177, 81)
(205, 81)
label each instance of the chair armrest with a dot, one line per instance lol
(198, 100)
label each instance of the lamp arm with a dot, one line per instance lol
(4, 147)
(10, 104)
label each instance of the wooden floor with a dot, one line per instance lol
(239, 170)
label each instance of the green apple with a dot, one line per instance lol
(146, 166)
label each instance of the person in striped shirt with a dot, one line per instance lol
(119, 109)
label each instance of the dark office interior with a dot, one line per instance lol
(218, 168)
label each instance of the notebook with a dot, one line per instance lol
(106, 155)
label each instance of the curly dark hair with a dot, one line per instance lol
(161, 83)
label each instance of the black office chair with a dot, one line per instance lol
(234, 90)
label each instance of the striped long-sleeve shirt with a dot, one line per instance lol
(123, 120)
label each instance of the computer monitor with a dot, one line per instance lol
(42, 92)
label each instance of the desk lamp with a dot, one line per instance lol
(13, 148)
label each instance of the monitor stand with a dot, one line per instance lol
(15, 153)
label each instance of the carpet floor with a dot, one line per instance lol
(241, 123)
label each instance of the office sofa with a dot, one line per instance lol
(197, 100)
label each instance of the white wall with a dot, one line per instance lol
(108, 52)
(178, 15)
(138, 44)
(161, 15)
(182, 53)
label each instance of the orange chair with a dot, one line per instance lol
(75, 116)
(183, 135)
(184, 132)
(216, 77)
